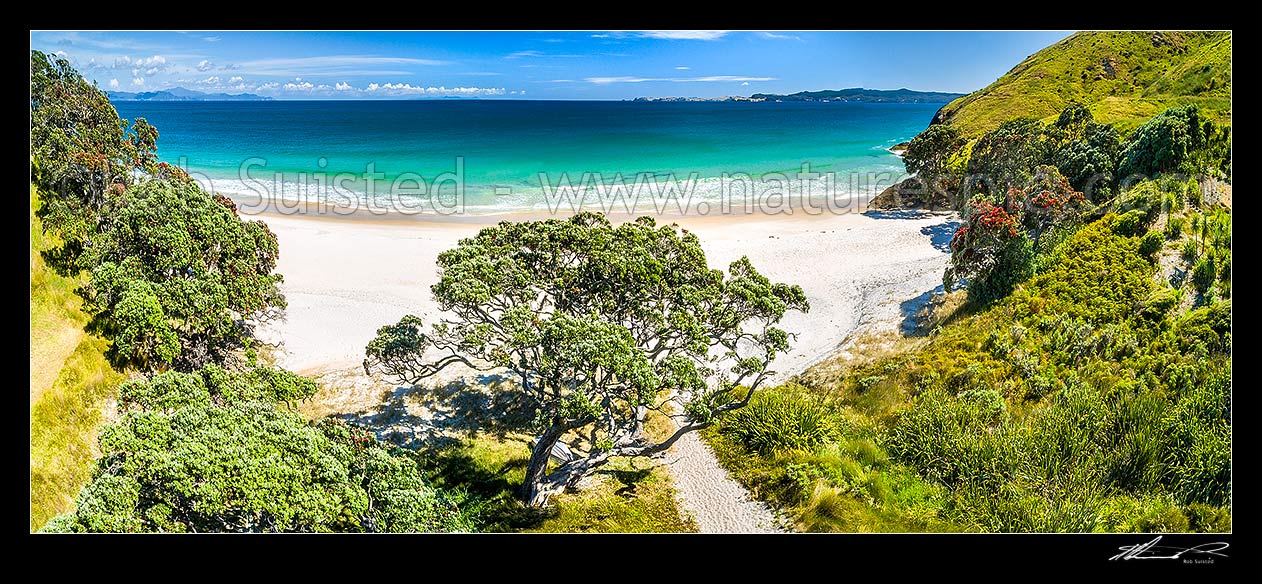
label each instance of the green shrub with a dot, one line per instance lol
(1207, 518)
(1160, 302)
(1174, 227)
(1151, 243)
(1204, 273)
(1172, 140)
(1190, 251)
(1130, 223)
(1015, 263)
(779, 421)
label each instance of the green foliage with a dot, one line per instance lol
(1179, 139)
(1160, 302)
(1012, 265)
(779, 421)
(1204, 273)
(1130, 223)
(210, 451)
(1090, 161)
(1006, 155)
(595, 321)
(1151, 243)
(178, 276)
(1122, 77)
(931, 156)
(82, 154)
(844, 482)
(1085, 401)
(1099, 277)
(929, 152)
(1190, 251)
(1174, 227)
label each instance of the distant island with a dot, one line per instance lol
(182, 94)
(853, 94)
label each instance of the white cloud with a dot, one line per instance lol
(211, 39)
(138, 82)
(683, 68)
(140, 65)
(205, 65)
(708, 79)
(693, 35)
(561, 81)
(781, 37)
(212, 80)
(269, 85)
(342, 86)
(404, 89)
(235, 79)
(113, 84)
(520, 54)
(744, 83)
(600, 36)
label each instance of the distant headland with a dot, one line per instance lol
(854, 94)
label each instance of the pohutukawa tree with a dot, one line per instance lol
(82, 154)
(994, 247)
(598, 325)
(178, 279)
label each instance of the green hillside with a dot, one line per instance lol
(1123, 77)
(70, 382)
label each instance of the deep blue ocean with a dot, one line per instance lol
(499, 148)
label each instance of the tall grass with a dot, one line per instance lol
(71, 382)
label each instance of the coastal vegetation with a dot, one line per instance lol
(1083, 381)
(171, 278)
(216, 450)
(70, 380)
(598, 325)
(1091, 398)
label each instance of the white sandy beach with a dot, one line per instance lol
(344, 278)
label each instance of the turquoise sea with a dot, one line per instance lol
(497, 149)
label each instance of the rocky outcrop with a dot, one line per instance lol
(940, 116)
(914, 193)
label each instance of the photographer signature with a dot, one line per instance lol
(1152, 551)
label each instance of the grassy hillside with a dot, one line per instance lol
(70, 382)
(1095, 398)
(1123, 77)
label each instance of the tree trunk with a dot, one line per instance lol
(534, 493)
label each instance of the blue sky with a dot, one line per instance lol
(540, 65)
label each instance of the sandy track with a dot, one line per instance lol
(717, 502)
